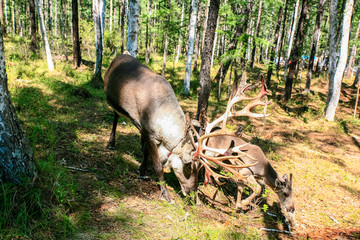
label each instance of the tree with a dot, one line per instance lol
(133, 28)
(194, 9)
(296, 51)
(16, 158)
(335, 81)
(44, 36)
(99, 26)
(314, 44)
(257, 29)
(272, 52)
(353, 51)
(33, 43)
(291, 38)
(166, 38)
(76, 39)
(205, 80)
(332, 40)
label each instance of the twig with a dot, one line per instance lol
(333, 219)
(77, 169)
(275, 230)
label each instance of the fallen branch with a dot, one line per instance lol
(77, 169)
(275, 230)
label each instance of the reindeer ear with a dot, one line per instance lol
(291, 178)
(279, 183)
(285, 177)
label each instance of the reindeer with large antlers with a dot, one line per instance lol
(243, 161)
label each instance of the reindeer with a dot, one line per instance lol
(228, 150)
(148, 100)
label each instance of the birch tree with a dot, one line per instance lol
(194, 9)
(291, 38)
(44, 36)
(335, 81)
(99, 26)
(257, 29)
(296, 51)
(166, 38)
(133, 28)
(205, 80)
(332, 41)
(178, 48)
(315, 40)
(16, 158)
(353, 51)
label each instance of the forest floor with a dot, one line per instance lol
(94, 193)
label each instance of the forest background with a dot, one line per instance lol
(56, 53)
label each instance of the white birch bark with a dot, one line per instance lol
(290, 43)
(332, 41)
(133, 28)
(194, 9)
(6, 17)
(51, 16)
(215, 40)
(99, 17)
(178, 48)
(335, 82)
(13, 17)
(44, 36)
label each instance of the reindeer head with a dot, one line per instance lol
(283, 188)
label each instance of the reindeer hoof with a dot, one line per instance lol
(110, 146)
(144, 178)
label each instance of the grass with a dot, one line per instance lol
(103, 198)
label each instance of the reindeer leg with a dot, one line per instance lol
(153, 151)
(255, 186)
(143, 167)
(240, 189)
(111, 142)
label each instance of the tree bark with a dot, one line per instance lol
(332, 40)
(16, 158)
(292, 33)
(122, 24)
(133, 27)
(197, 41)
(76, 38)
(44, 36)
(33, 43)
(194, 9)
(205, 80)
(353, 51)
(99, 17)
(296, 51)
(147, 48)
(272, 51)
(282, 38)
(166, 39)
(257, 29)
(335, 82)
(314, 45)
(178, 48)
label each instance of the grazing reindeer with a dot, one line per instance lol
(228, 150)
(149, 101)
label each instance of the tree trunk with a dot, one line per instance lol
(44, 36)
(296, 51)
(33, 43)
(6, 17)
(51, 16)
(353, 51)
(272, 51)
(122, 24)
(133, 27)
(257, 29)
(13, 16)
(178, 48)
(194, 9)
(147, 48)
(197, 41)
(166, 40)
(16, 158)
(292, 33)
(76, 39)
(1, 12)
(356, 80)
(99, 12)
(111, 15)
(332, 41)
(282, 38)
(335, 82)
(315, 39)
(205, 80)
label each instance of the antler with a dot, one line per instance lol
(219, 156)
